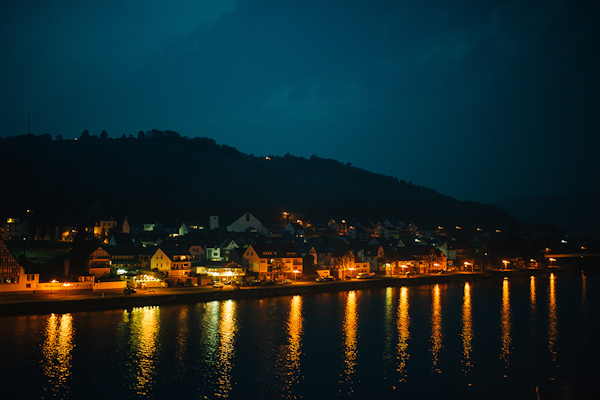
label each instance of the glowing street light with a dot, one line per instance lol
(296, 272)
(505, 262)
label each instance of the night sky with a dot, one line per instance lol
(479, 100)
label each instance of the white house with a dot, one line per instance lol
(247, 222)
(12, 276)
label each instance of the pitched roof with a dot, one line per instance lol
(172, 251)
(274, 250)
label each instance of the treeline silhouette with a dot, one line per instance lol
(163, 176)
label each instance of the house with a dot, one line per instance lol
(294, 229)
(229, 248)
(197, 252)
(247, 222)
(428, 259)
(104, 227)
(13, 276)
(127, 258)
(358, 233)
(99, 262)
(15, 229)
(212, 249)
(188, 227)
(175, 263)
(370, 255)
(271, 261)
(345, 263)
(389, 261)
(338, 225)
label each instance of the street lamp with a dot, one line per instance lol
(296, 272)
(505, 262)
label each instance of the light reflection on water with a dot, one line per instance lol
(505, 323)
(145, 324)
(532, 314)
(57, 350)
(437, 335)
(388, 325)
(182, 343)
(552, 318)
(532, 290)
(467, 328)
(403, 325)
(293, 350)
(217, 348)
(310, 346)
(350, 331)
(226, 349)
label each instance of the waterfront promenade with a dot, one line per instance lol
(63, 301)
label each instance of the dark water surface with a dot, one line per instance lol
(499, 338)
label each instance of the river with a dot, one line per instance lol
(498, 338)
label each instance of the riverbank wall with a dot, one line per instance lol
(191, 296)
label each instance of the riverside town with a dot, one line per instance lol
(127, 259)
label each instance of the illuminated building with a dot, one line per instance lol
(173, 261)
(345, 263)
(99, 262)
(222, 270)
(14, 228)
(12, 276)
(270, 261)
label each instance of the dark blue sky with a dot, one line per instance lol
(480, 100)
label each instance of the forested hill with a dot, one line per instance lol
(160, 176)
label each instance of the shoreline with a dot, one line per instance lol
(120, 301)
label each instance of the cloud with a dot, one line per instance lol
(402, 88)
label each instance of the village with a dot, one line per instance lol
(119, 255)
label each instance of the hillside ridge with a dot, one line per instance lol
(161, 175)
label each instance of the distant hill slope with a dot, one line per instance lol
(575, 213)
(161, 176)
